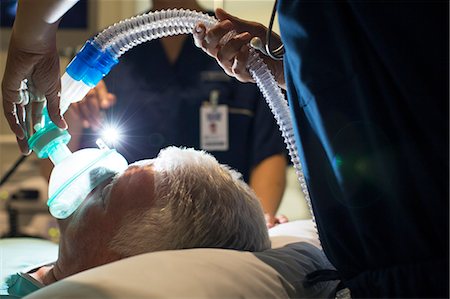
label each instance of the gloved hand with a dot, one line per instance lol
(232, 55)
(90, 107)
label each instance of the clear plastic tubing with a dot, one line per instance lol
(128, 33)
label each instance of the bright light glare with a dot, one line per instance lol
(111, 135)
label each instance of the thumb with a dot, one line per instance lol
(222, 14)
(240, 25)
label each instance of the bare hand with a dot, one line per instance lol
(89, 108)
(40, 67)
(233, 54)
(272, 221)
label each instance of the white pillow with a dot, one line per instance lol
(300, 230)
(193, 273)
(201, 273)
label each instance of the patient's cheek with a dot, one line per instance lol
(84, 222)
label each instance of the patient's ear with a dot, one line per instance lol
(134, 189)
(142, 186)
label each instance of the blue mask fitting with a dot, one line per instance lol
(77, 174)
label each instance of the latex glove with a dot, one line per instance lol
(89, 109)
(272, 220)
(233, 55)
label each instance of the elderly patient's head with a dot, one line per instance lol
(182, 199)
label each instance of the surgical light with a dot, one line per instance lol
(111, 135)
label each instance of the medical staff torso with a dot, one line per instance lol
(368, 88)
(190, 103)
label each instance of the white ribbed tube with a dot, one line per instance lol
(280, 109)
(129, 33)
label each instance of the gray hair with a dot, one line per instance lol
(199, 203)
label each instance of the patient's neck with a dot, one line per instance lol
(45, 275)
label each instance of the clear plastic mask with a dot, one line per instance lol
(75, 176)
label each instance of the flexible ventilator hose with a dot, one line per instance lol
(129, 33)
(99, 55)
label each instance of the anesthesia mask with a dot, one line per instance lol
(75, 174)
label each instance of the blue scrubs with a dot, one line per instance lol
(368, 88)
(159, 105)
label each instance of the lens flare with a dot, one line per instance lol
(111, 135)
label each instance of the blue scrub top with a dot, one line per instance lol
(158, 104)
(368, 88)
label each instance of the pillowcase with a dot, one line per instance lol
(190, 273)
(290, 232)
(202, 273)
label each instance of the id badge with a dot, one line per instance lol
(214, 127)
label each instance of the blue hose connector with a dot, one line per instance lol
(91, 64)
